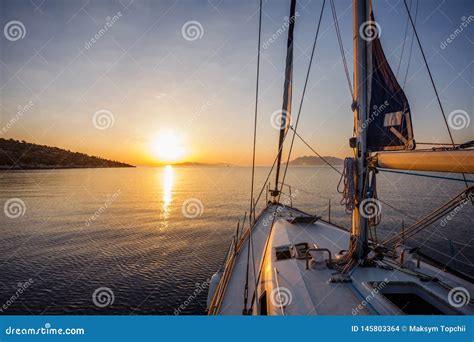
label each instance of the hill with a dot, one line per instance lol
(20, 155)
(316, 161)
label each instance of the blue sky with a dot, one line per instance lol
(152, 80)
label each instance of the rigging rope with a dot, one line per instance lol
(411, 46)
(429, 219)
(315, 152)
(396, 209)
(268, 177)
(305, 191)
(252, 211)
(245, 311)
(426, 175)
(433, 83)
(434, 144)
(404, 41)
(256, 110)
(341, 48)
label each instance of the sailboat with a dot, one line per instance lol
(289, 262)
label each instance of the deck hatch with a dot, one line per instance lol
(413, 299)
(283, 252)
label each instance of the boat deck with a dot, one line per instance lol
(310, 291)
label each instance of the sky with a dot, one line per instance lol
(112, 78)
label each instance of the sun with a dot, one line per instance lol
(168, 147)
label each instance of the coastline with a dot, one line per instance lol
(2, 168)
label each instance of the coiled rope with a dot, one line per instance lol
(347, 178)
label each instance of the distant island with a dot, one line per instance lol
(200, 164)
(316, 161)
(20, 155)
(300, 161)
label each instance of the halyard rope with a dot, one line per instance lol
(347, 178)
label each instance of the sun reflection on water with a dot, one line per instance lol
(168, 180)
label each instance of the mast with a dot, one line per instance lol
(287, 93)
(360, 223)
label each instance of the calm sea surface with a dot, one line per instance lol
(133, 231)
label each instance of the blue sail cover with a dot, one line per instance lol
(389, 125)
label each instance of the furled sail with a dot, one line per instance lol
(389, 124)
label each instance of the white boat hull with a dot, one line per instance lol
(281, 285)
